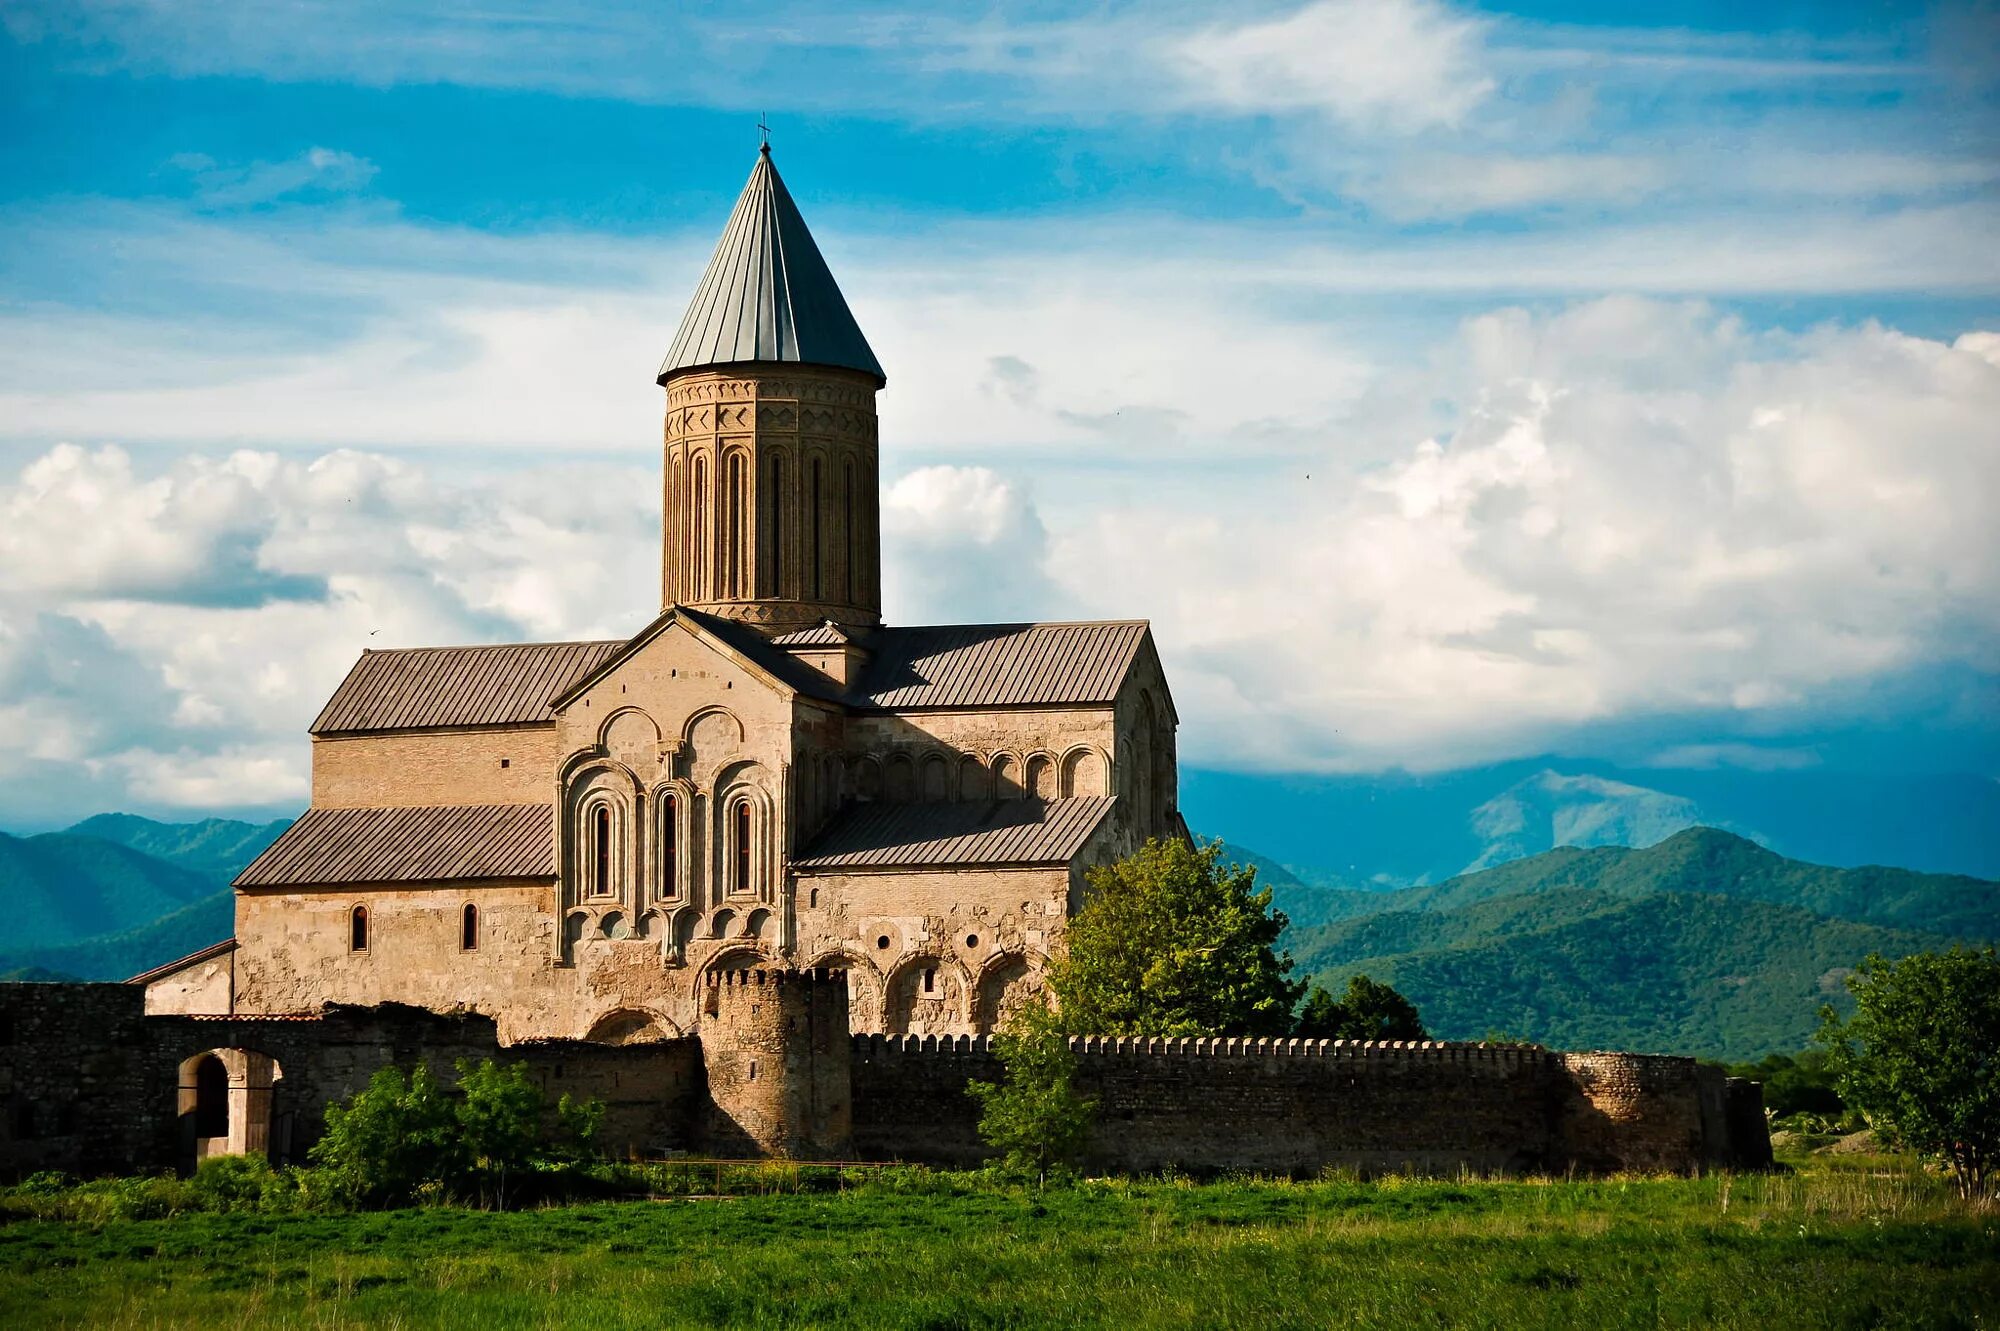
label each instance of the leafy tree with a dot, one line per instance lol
(391, 1140)
(1369, 1010)
(1802, 1083)
(1172, 941)
(1035, 1119)
(1922, 1053)
(408, 1137)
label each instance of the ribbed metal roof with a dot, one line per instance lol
(828, 634)
(767, 294)
(424, 687)
(972, 832)
(998, 665)
(454, 843)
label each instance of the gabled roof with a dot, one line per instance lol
(825, 634)
(973, 832)
(428, 687)
(455, 843)
(767, 294)
(752, 648)
(998, 665)
(208, 953)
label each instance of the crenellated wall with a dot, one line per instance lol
(1300, 1106)
(92, 1084)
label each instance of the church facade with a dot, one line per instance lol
(572, 837)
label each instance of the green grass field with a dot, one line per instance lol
(1864, 1243)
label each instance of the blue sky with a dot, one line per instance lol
(1449, 384)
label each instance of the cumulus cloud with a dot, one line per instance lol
(1640, 509)
(963, 544)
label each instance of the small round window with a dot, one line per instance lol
(972, 940)
(883, 941)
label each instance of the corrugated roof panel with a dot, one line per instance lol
(767, 294)
(455, 843)
(902, 836)
(998, 665)
(427, 687)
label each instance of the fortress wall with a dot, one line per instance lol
(90, 1084)
(422, 768)
(1207, 1105)
(1300, 1106)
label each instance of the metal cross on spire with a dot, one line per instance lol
(764, 130)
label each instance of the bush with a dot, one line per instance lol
(235, 1183)
(1035, 1120)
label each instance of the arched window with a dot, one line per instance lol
(600, 851)
(677, 529)
(670, 842)
(851, 566)
(698, 554)
(357, 929)
(468, 928)
(742, 843)
(771, 580)
(815, 550)
(732, 483)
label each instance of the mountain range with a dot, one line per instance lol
(117, 894)
(1705, 943)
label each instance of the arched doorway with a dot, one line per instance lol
(224, 1101)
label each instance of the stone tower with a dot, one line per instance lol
(771, 479)
(776, 1047)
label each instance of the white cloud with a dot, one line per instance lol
(1402, 65)
(323, 170)
(1640, 510)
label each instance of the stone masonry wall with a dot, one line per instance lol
(1298, 1106)
(91, 1084)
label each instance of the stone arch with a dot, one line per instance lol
(674, 858)
(631, 737)
(224, 1101)
(899, 778)
(864, 987)
(631, 1025)
(709, 737)
(1040, 780)
(974, 781)
(722, 923)
(758, 925)
(743, 835)
(934, 779)
(867, 783)
(1082, 772)
(614, 925)
(1007, 981)
(600, 849)
(740, 955)
(1006, 776)
(925, 994)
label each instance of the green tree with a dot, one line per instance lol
(500, 1124)
(391, 1140)
(1922, 1053)
(1369, 1010)
(1034, 1119)
(1172, 941)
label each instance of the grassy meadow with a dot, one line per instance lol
(1856, 1242)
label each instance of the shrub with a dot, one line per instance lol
(1035, 1119)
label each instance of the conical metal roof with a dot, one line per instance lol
(767, 294)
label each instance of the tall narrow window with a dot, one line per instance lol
(771, 511)
(743, 883)
(697, 579)
(815, 551)
(670, 856)
(676, 507)
(600, 834)
(468, 928)
(850, 567)
(732, 579)
(357, 929)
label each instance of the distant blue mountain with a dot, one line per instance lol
(1397, 829)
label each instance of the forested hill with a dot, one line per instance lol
(117, 894)
(1704, 944)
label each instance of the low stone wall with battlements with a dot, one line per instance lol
(91, 1084)
(1301, 1106)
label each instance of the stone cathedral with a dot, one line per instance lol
(571, 837)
